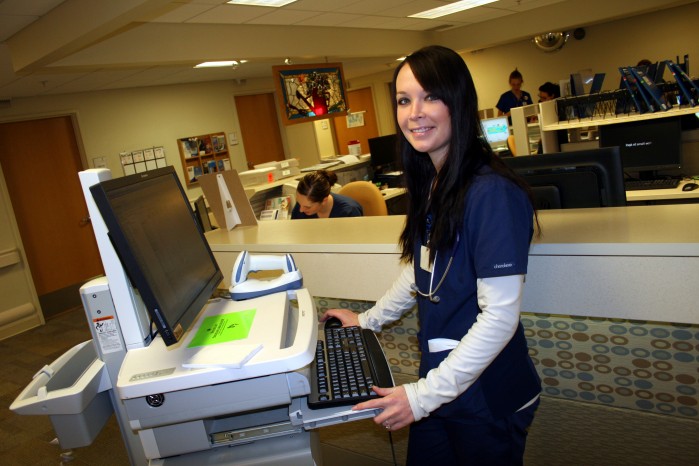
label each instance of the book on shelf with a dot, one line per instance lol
(269, 214)
(211, 166)
(219, 143)
(191, 147)
(634, 91)
(282, 204)
(684, 82)
(648, 85)
(597, 82)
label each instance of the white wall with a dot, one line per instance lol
(325, 138)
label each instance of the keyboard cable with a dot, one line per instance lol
(393, 450)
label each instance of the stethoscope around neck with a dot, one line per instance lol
(431, 295)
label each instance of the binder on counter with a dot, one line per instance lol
(684, 82)
(630, 84)
(648, 86)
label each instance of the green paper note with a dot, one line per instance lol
(224, 328)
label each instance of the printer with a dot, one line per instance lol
(240, 400)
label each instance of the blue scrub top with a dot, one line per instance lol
(343, 206)
(508, 101)
(493, 241)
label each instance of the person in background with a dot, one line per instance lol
(314, 199)
(549, 91)
(465, 241)
(515, 97)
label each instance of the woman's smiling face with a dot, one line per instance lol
(422, 117)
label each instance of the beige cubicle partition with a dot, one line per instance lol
(621, 262)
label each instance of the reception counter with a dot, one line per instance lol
(624, 262)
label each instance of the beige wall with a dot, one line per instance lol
(656, 36)
(115, 121)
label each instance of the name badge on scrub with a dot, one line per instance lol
(425, 263)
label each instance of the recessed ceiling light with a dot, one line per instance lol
(272, 3)
(450, 8)
(215, 64)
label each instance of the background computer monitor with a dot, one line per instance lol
(160, 245)
(572, 180)
(496, 131)
(646, 146)
(384, 153)
(201, 213)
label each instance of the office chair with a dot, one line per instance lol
(511, 145)
(367, 195)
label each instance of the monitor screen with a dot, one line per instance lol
(202, 214)
(496, 131)
(646, 145)
(573, 180)
(160, 245)
(384, 153)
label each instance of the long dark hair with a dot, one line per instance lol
(444, 74)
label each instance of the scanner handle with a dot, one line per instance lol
(302, 350)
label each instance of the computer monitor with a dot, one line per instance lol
(496, 131)
(646, 146)
(384, 153)
(160, 245)
(573, 180)
(201, 213)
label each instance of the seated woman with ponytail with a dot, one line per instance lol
(314, 199)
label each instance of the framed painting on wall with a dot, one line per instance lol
(310, 92)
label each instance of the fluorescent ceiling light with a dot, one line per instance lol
(272, 3)
(215, 64)
(451, 8)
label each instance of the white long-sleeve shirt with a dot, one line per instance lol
(499, 299)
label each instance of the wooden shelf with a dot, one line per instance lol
(207, 153)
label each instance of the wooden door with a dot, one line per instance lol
(41, 161)
(259, 128)
(360, 100)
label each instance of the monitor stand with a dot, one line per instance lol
(648, 175)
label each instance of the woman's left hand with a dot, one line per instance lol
(396, 412)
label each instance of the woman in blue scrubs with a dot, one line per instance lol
(466, 240)
(314, 199)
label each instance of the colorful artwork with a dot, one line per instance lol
(311, 92)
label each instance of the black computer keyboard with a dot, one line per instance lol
(637, 185)
(348, 363)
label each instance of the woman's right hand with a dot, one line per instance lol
(347, 317)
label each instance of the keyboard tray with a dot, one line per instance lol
(374, 367)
